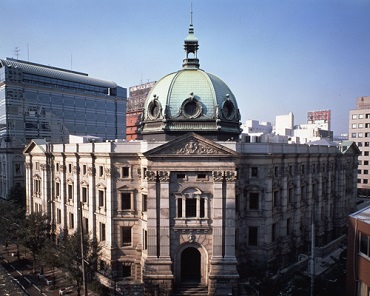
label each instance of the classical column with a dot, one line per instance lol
(164, 219)
(29, 186)
(229, 219)
(152, 213)
(91, 171)
(217, 214)
(110, 208)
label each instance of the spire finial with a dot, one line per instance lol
(191, 13)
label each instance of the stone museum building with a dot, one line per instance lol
(190, 202)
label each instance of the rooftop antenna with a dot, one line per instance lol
(16, 51)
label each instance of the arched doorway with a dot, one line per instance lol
(190, 265)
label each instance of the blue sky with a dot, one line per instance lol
(276, 56)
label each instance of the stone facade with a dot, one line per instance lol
(192, 209)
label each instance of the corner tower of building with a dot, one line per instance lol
(190, 100)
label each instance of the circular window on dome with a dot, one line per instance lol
(228, 109)
(154, 109)
(191, 108)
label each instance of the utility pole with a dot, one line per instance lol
(312, 251)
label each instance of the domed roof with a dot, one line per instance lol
(191, 100)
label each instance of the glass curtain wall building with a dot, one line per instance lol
(38, 101)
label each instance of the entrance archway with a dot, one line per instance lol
(190, 265)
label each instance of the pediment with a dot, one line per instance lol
(192, 145)
(126, 188)
(36, 147)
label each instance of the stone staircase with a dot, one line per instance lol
(194, 289)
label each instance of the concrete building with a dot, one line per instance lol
(135, 107)
(190, 203)
(358, 253)
(285, 131)
(359, 132)
(38, 101)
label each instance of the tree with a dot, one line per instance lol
(34, 233)
(11, 216)
(50, 256)
(71, 260)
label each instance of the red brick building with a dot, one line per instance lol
(135, 105)
(358, 253)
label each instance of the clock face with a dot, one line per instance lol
(228, 110)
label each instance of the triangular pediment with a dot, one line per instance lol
(350, 147)
(192, 145)
(36, 147)
(126, 188)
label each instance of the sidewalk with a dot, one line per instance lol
(34, 284)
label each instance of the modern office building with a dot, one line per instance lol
(359, 132)
(190, 203)
(38, 101)
(135, 107)
(358, 253)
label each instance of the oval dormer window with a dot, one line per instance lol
(154, 109)
(228, 109)
(191, 108)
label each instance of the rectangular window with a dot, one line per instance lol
(145, 202)
(360, 125)
(57, 189)
(125, 201)
(202, 208)
(252, 236)
(84, 169)
(126, 270)
(354, 116)
(366, 162)
(71, 221)
(273, 232)
(365, 181)
(276, 171)
(366, 153)
(254, 200)
(84, 194)
(86, 225)
(360, 135)
(191, 207)
(179, 207)
(125, 173)
(70, 192)
(126, 236)
(364, 244)
(102, 231)
(202, 176)
(145, 239)
(69, 168)
(361, 116)
(59, 216)
(180, 176)
(57, 166)
(353, 135)
(254, 171)
(276, 198)
(101, 198)
(101, 171)
(353, 125)
(366, 172)
(291, 194)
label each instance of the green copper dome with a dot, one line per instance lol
(190, 100)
